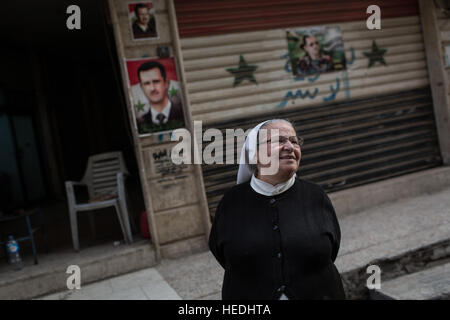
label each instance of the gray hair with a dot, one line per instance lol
(274, 121)
(278, 120)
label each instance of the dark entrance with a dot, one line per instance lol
(61, 100)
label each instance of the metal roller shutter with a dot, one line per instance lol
(360, 126)
(207, 17)
(350, 143)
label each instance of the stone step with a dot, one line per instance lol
(401, 237)
(429, 284)
(96, 264)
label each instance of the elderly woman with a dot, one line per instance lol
(276, 236)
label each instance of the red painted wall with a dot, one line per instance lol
(208, 17)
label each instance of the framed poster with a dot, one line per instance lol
(142, 19)
(156, 94)
(315, 50)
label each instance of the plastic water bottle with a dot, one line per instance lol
(13, 252)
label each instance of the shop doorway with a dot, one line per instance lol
(61, 101)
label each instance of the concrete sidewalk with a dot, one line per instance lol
(147, 284)
(378, 234)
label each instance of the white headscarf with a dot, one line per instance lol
(248, 155)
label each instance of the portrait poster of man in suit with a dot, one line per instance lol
(156, 94)
(142, 20)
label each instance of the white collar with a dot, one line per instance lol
(143, 28)
(165, 111)
(267, 189)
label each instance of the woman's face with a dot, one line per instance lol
(289, 153)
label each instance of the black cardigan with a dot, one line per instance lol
(269, 245)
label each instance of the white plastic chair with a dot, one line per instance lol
(104, 178)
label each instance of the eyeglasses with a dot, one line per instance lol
(296, 141)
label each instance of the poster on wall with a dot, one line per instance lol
(315, 50)
(156, 94)
(141, 16)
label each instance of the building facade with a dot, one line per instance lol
(381, 110)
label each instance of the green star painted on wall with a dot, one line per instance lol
(376, 55)
(243, 72)
(173, 92)
(140, 106)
